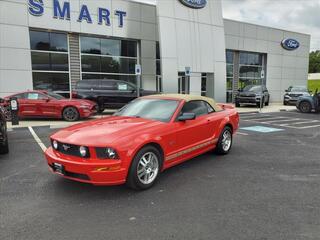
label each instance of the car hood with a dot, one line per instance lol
(300, 93)
(105, 131)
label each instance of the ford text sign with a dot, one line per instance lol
(290, 44)
(194, 3)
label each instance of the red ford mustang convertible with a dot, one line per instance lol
(145, 137)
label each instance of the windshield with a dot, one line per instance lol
(298, 89)
(155, 109)
(55, 95)
(252, 88)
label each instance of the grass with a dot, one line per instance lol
(313, 85)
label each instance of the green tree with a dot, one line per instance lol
(314, 62)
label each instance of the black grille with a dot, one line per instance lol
(73, 175)
(69, 149)
(295, 95)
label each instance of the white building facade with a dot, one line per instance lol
(53, 44)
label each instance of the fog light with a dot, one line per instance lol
(111, 153)
(55, 144)
(83, 151)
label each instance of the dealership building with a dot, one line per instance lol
(182, 46)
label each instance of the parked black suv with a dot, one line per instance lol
(4, 146)
(107, 93)
(252, 94)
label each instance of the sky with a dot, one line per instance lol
(293, 15)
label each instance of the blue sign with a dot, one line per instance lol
(290, 44)
(194, 3)
(262, 129)
(62, 10)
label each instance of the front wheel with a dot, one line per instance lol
(145, 168)
(305, 107)
(70, 114)
(225, 141)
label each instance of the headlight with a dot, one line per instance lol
(83, 151)
(55, 144)
(107, 153)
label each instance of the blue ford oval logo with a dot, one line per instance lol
(194, 3)
(290, 44)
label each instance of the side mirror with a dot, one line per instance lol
(286, 90)
(48, 99)
(187, 116)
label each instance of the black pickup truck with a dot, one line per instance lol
(108, 93)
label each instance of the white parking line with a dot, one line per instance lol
(305, 127)
(263, 118)
(283, 120)
(38, 140)
(297, 123)
(241, 133)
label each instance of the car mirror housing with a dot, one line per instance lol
(187, 116)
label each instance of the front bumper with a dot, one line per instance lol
(87, 112)
(87, 171)
(248, 100)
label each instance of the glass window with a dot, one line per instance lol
(110, 64)
(127, 78)
(20, 96)
(59, 62)
(110, 47)
(51, 81)
(58, 42)
(197, 107)
(90, 63)
(35, 96)
(40, 61)
(229, 56)
(123, 86)
(229, 70)
(128, 48)
(39, 40)
(90, 45)
(158, 50)
(46, 41)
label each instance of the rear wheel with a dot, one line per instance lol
(225, 141)
(4, 149)
(145, 168)
(70, 114)
(237, 104)
(305, 107)
(100, 109)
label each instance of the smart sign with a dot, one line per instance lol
(62, 10)
(290, 44)
(194, 3)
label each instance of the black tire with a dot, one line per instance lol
(70, 114)
(133, 180)
(4, 149)
(237, 104)
(100, 109)
(285, 103)
(220, 148)
(305, 107)
(267, 103)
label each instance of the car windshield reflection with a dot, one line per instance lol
(155, 109)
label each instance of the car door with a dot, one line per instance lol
(195, 132)
(34, 104)
(125, 92)
(48, 106)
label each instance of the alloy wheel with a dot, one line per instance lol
(148, 168)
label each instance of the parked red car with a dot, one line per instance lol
(145, 137)
(51, 105)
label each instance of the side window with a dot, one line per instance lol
(35, 96)
(122, 86)
(197, 107)
(210, 108)
(20, 96)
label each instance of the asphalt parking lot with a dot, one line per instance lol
(266, 188)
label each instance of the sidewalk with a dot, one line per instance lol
(56, 124)
(273, 107)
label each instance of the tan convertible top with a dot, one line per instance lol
(189, 98)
